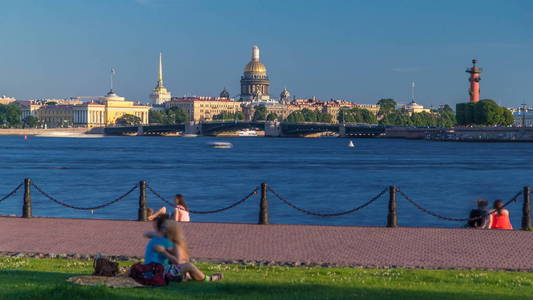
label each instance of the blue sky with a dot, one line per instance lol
(357, 50)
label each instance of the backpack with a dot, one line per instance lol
(105, 267)
(149, 274)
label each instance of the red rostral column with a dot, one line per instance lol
(474, 81)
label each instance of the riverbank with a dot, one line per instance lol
(463, 134)
(49, 131)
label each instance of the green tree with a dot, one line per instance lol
(175, 115)
(396, 118)
(239, 116)
(271, 116)
(10, 115)
(128, 120)
(31, 121)
(156, 117)
(356, 115)
(507, 118)
(295, 117)
(260, 113)
(386, 106)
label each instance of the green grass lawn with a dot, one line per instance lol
(22, 278)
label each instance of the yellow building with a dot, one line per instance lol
(106, 111)
(414, 108)
(204, 108)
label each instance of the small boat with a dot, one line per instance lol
(189, 135)
(351, 144)
(247, 132)
(221, 145)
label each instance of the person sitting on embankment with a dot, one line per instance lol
(479, 217)
(499, 217)
(180, 214)
(181, 269)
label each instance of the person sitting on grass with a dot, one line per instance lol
(157, 239)
(181, 269)
(480, 215)
(180, 214)
(499, 217)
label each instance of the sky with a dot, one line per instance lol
(361, 51)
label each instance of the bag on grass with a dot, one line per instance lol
(105, 267)
(149, 274)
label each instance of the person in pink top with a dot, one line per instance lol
(180, 212)
(499, 217)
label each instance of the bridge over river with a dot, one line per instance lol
(274, 129)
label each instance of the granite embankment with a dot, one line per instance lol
(464, 134)
(290, 245)
(48, 131)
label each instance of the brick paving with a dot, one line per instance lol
(336, 245)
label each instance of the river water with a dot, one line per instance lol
(322, 175)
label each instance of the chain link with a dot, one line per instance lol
(427, 211)
(305, 211)
(208, 211)
(84, 208)
(12, 193)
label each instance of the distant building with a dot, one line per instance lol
(204, 108)
(160, 94)
(29, 108)
(255, 83)
(224, 94)
(285, 96)
(59, 115)
(414, 108)
(107, 110)
(7, 100)
(332, 107)
(523, 118)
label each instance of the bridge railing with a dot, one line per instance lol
(264, 191)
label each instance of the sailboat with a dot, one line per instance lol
(351, 144)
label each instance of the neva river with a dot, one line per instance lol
(322, 175)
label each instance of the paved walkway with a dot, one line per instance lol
(366, 246)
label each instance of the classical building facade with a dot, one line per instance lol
(160, 94)
(201, 109)
(414, 108)
(255, 83)
(107, 110)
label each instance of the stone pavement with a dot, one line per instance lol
(334, 245)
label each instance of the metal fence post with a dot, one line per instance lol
(26, 206)
(263, 206)
(392, 217)
(142, 215)
(526, 209)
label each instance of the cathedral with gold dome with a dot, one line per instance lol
(255, 83)
(160, 94)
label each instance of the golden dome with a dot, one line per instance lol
(255, 66)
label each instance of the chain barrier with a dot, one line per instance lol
(427, 211)
(84, 208)
(12, 193)
(208, 211)
(305, 211)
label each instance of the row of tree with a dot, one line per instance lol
(173, 115)
(485, 112)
